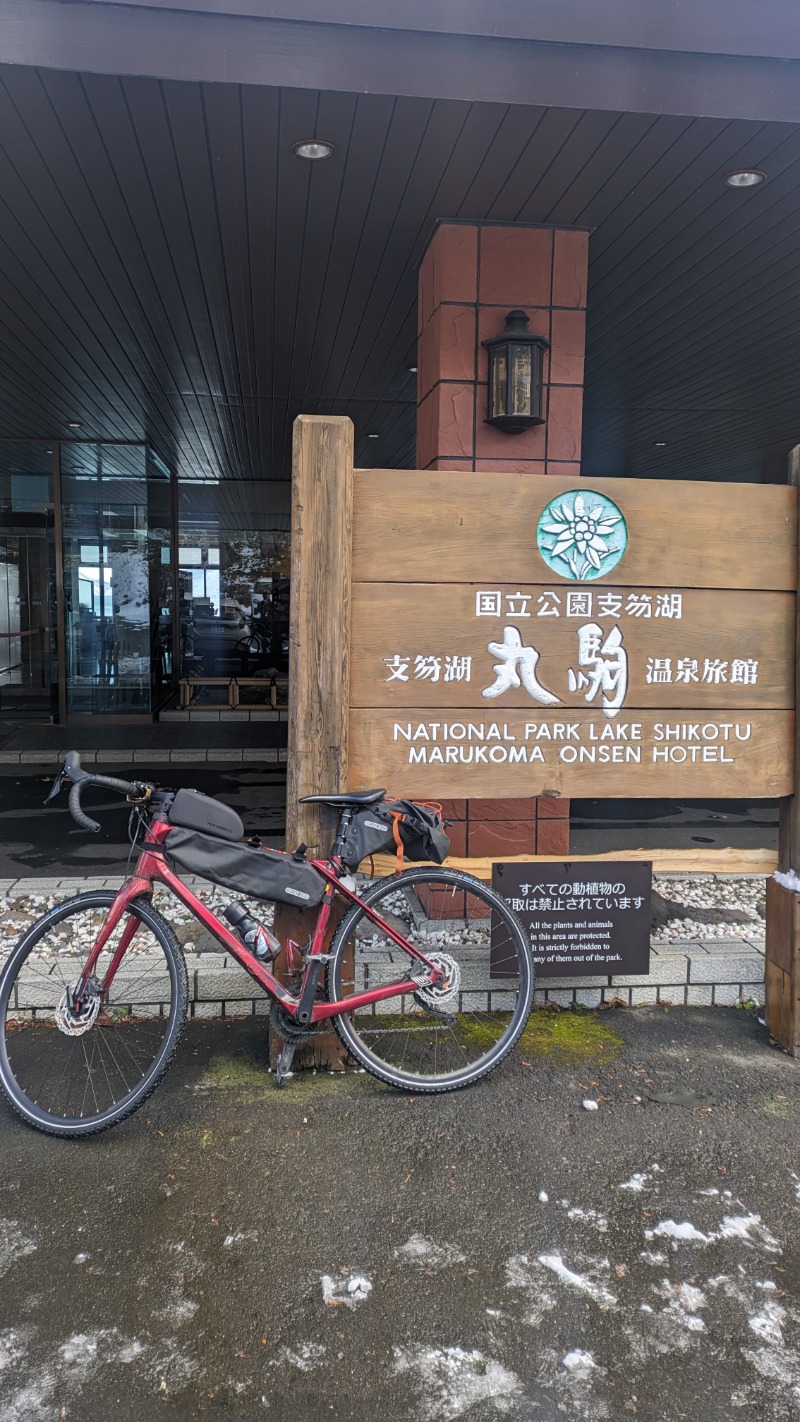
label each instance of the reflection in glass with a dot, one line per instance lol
(115, 510)
(28, 661)
(521, 357)
(499, 381)
(233, 558)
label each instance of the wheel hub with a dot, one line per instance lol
(73, 1019)
(442, 996)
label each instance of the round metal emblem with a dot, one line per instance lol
(581, 535)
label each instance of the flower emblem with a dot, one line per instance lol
(582, 536)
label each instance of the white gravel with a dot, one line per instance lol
(741, 892)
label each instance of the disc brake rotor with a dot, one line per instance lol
(441, 997)
(72, 1021)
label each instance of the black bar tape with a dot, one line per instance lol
(77, 813)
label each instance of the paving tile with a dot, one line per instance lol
(587, 982)
(727, 969)
(699, 996)
(589, 997)
(662, 970)
(674, 994)
(187, 757)
(728, 994)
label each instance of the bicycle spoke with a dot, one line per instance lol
(440, 1033)
(80, 1057)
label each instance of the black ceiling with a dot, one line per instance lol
(170, 271)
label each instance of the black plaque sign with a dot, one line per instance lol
(584, 917)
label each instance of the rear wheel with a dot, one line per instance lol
(74, 1067)
(433, 1038)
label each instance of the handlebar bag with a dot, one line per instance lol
(257, 873)
(408, 828)
(194, 811)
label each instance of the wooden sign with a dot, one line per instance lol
(518, 635)
(522, 635)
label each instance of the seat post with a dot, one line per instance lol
(345, 816)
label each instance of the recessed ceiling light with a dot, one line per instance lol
(373, 436)
(73, 424)
(660, 443)
(745, 178)
(313, 149)
(412, 370)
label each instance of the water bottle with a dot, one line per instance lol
(252, 933)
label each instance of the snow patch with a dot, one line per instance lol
(348, 1289)
(768, 1324)
(579, 1363)
(668, 1229)
(240, 1237)
(433, 1256)
(14, 1244)
(592, 1217)
(305, 1357)
(580, 1282)
(453, 1381)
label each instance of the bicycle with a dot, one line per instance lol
(428, 979)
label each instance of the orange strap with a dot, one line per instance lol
(401, 849)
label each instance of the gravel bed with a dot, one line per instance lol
(742, 895)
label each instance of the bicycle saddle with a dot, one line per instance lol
(361, 797)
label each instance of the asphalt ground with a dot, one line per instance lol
(340, 1250)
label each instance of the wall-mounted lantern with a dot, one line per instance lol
(515, 376)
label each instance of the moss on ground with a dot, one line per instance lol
(567, 1037)
(249, 1075)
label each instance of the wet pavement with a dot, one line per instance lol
(337, 1249)
(46, 843)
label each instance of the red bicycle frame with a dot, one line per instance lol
(151, 869)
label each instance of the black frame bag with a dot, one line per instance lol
(257, 873)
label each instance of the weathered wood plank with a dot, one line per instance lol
(445, 525)
(404, 621)
(782, 947)
(319, 638)
(664, 861)
(493, 754)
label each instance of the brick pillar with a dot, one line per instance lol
(471, 276)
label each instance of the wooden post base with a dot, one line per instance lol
(324, 1051)
(783, 966)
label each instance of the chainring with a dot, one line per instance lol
(286, 1027)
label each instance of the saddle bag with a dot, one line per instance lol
(408, 828)
(258, 873)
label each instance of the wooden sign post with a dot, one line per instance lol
(782, 948)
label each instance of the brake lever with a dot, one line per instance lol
(55, 789)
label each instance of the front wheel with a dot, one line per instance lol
(433, 1038)
(72, 1065)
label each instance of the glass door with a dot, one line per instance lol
(28, 657)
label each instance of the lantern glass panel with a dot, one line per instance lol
(499, 358)
(521, 371)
